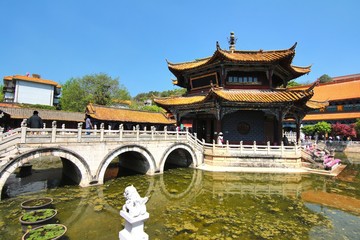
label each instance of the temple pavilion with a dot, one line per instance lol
(242, 94)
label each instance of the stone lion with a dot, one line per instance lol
(134, 204)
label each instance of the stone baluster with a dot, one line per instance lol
(53, 131)
(137, 132)
(102, 126)
(23, 131)
(121, 131)
(268, 147)
(63, 129)
(109, 128)
(95, 129)
(241, 146)
(282, 148)
(152, 132)
(254, 146)
(165, 132)
(79, 131)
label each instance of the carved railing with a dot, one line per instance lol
(66, 135)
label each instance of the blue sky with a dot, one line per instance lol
(131, 40)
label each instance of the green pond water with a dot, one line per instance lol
(186, 203)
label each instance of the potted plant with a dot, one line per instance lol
(36, 218)
(37, 203)
(46, 232)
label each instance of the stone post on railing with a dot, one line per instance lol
(109, 128)
(137, 132)
(268, 147)
(53, 132)
(241, 146)
(135, 214)
(165, 132)
(102, 126)
(63, 129)
(254, 146)
(95, 129)
(282, 148)
(23, 131)
(79, 131)
(121, 131)
(152, 132)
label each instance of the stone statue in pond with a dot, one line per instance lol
(134, 205)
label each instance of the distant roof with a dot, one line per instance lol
(16, 112)
(36, 79)
(126, 115)
(341, 88)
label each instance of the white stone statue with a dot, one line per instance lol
(134, 205)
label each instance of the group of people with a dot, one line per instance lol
(35, 121)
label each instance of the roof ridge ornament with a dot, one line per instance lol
(232, 40)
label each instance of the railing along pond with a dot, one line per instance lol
(58, 135)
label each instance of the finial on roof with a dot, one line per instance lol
(217, 45)
(232, 41)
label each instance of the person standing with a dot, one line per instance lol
(220, 139)
(35, 121)
(88, 124)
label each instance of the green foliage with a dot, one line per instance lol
(141, 97)
(96, 88)
(293, 83)
(325, 78)
(37, 215)
(1, 93)
(46, 232)
(357, 126)
(322, 127)
(308, 130)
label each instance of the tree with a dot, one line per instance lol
(344, 130)
(322, 127)
(308, 130)
(357, 126)
(1, 93)
(96, 88)
(293, 83)
(325, 78)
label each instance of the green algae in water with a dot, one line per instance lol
(46, 232)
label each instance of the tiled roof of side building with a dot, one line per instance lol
(32, 79)
(331, 116)
(126, 115)
(341, 88)
(53, 115)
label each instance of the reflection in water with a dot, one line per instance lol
(192, 204)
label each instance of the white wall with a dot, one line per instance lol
(34, 93)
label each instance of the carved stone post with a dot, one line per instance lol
(53, 132)
(23, 131)
(135, 214)
(79, 131)
(121, 131)
(102, 125)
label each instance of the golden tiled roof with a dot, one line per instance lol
(316, 105)
(239, 95)
(242, 57)
(261, 95)
(126, 115)
(331, 116)
(336, 90)
(174, 101)
(32, 79)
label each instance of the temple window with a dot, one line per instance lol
(204, 81)
(243, 78)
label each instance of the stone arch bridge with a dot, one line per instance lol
(86, 154)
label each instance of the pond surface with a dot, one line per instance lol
(194, 204)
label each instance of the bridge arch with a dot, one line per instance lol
(64, 153)
(124, 149)
(189, 153)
